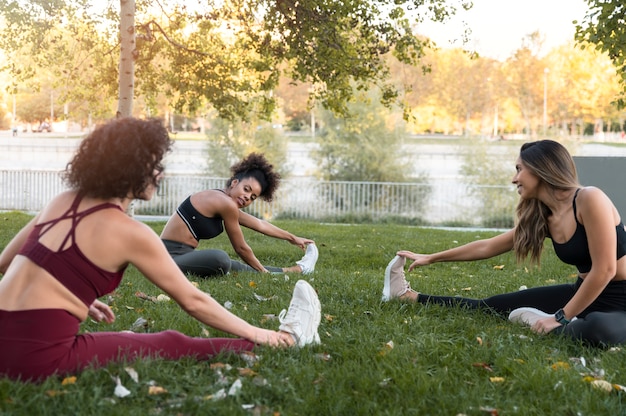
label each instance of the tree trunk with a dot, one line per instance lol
(127, 58)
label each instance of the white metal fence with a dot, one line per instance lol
(439, 201)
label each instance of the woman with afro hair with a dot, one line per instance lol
(206, 214)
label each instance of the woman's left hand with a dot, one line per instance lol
(100, 311)
(302, 242)
(545, 325)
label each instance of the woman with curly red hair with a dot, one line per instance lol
(206, 214)
(77, 249)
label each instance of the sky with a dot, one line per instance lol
(499, 26)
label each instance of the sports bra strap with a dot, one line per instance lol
(73, 214)
(574, 204)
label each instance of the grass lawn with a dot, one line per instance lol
(375, 358)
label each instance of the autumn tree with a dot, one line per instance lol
(603, 28)
(228, 54)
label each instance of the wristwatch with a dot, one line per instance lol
(560, 317)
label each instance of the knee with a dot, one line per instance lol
(600, 328)
(222, 261)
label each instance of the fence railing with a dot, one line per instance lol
(438, 201)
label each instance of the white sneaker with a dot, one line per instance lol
(395, 284)
(310, 258)
(527, 316)
(304, 315)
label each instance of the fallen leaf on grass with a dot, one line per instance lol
(247, 372)
(263, 298)
(560, 365)
(499, 267)
(602, 385)
(386, 382)
(329, 318)
(140, 323)
(249, 357)
(143, 296)
(252, 283)
(120, 391)
(496, 379)
(219, 395)
(483, 365)
(132, 373)
(216, 366)
(386, 348)
(268, 317)
(53, 393)
(68, 380)
(491, 410)
(156, 390)
(235, 388)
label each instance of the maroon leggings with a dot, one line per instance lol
(35, 344)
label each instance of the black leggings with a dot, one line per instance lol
(602, 323)
(207, 263)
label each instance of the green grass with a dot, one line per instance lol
(442, 361)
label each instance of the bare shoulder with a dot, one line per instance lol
(592, 202)
(57, 205)
(592, 195)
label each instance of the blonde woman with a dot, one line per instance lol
(586, 231)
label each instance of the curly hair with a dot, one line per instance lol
(554, 166)
(256, 166)
(118, 158)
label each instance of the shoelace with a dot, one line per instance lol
(290, 319)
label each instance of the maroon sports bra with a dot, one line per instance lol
(70, 266)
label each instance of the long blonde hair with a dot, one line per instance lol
(554, 166)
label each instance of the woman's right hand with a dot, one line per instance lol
(418, 259)
(272, 338)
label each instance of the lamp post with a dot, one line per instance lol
(51, 106)
(545, 100)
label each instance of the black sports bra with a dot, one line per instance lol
(201, 227)
(575, 251)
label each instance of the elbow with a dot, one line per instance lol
(192, 305)
(242, 251)
(605, 272)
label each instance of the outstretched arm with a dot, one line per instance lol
(476, 250)
(269, 229)
(11, 250)
(146, 251)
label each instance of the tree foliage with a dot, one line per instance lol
(227, 54)
(363, 147)
(604, 27)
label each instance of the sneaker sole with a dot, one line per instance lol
(313, 248)
(387, 282)
(313, 299)
(517, 315)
